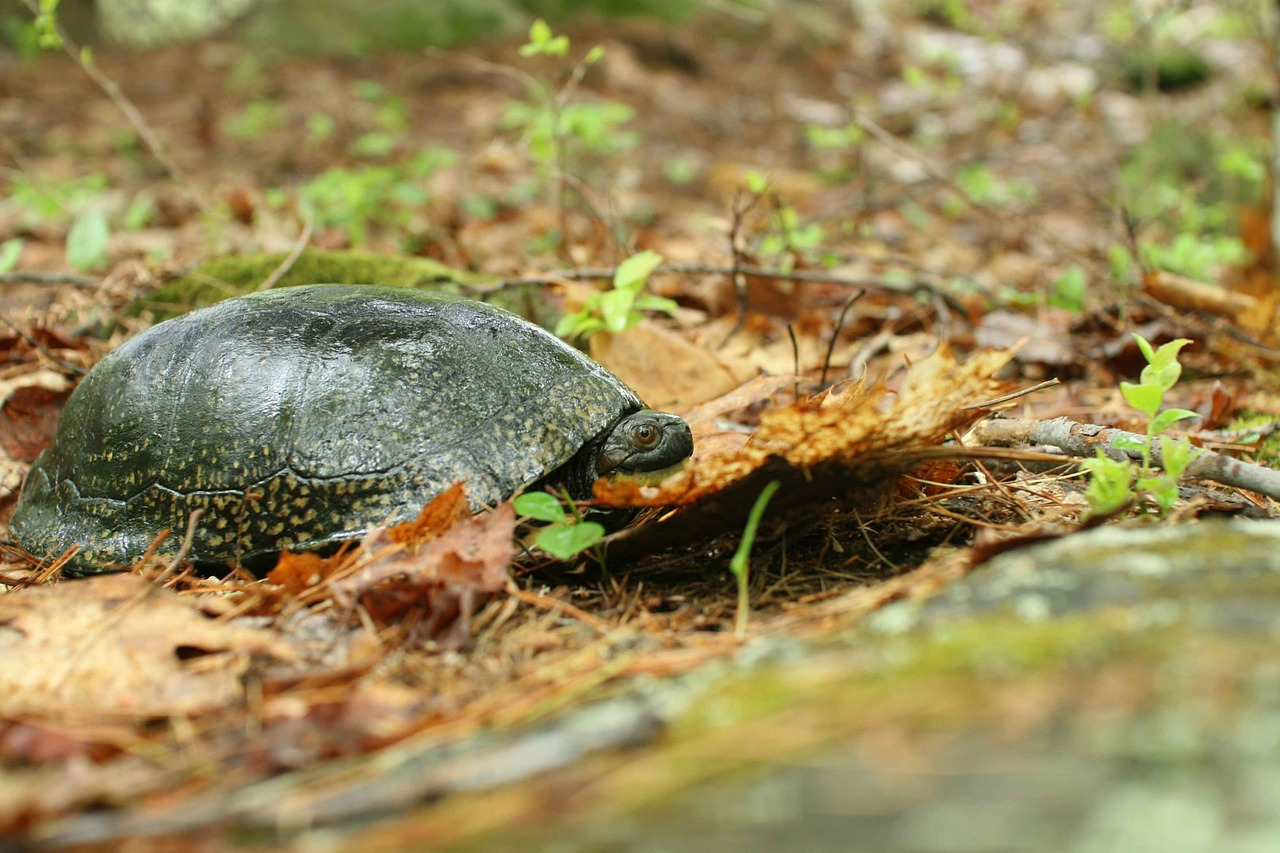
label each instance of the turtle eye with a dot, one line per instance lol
(645, 436)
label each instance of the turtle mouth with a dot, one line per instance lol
(646, 445)
(645, 478)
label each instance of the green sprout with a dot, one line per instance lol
(1115, 483)
(740, 565)
(619, 308)
(566, 535)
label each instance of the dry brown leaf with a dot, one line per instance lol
(665, 369)
(299, 571)
(862, 427)
(438, 580)
(116, 644)
(439, 515)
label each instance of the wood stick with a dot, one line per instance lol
(1084, 440)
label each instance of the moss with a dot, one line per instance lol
(221, 278)
(1268, 450)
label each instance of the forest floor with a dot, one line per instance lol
(876, 232)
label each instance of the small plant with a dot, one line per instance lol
(10, 251)
(788, 239)
(566, 535)
(740, 564)
(1067, 292)
(557, 131)
(986, 188)
(391, 195)
(49, 201)
(1115, 483)
(618, 308)
(1194, 255)
(258, 117)
(390, 119)
(87, 240)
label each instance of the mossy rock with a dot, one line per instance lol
(222, 278)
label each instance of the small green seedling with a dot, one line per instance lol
(619, 308)
(542, 42)
(565, 536)
(1115, 483)
(87, 240)
(740, 566)
(10, 251)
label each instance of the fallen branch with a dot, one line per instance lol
(1084, 440)
(37, 277)
(896, 285)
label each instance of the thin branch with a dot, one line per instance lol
(35, 277)
(287, 264)
(995, 401)
(127, 107)
(1083, 440)
(70, 367)
(606, 273)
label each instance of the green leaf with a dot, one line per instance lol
(1110, 484)
(615, 308)
(540, 506)
(87, 240)
(1147, 352)
(539, 32)
(1135, 443)
(635, 270)
(650, 302)
(594, 55)
(1168, 353)
(1162, 375)
(1145, 398)
(757, 183)
(1165, 419)
(567, 541)
(10, 251)
(1176, 455)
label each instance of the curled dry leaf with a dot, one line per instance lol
(866, 429)
(116, 644)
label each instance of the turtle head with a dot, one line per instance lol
(646, 445)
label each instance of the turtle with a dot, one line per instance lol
(298, 418)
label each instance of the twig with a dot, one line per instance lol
(737, 253)
(988, 404)
(292, 258)
(902, 150)
(126, 106)
(551, 603)
(606, 273)
(835, 333)
(34, 277)
(73, 369)
(1083, 440)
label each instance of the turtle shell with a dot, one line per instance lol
(299, 417)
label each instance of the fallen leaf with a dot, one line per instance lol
(438, 581)
(117, 644)
(665, 369)
(869, 429)
(439, 515)
(28, 420)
